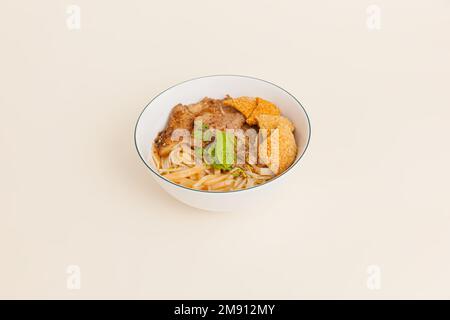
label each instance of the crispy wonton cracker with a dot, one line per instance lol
(244, 105)
(262, 107)
(267, 121)
(287, 147)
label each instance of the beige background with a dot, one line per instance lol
(372, 189)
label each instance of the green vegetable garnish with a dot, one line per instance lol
(224, 150)
(224, 167)
(220, 154)
(239, 171)
(207, 135)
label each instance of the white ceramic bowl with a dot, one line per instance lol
(155, 115)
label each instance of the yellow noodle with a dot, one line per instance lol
(240, 184)
(179, 166)
(215, 179)
(201, 180)
(156, 158)
(221, 185)
(165, 150)
(173, 169)
(185, 182)
(183, 173)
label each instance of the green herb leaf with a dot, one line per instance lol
(239, 171)
(224, 167)
(225, 154)
(207, 135)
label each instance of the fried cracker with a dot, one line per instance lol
(287, 147)
(266, 121)
(262, 107)
(244, 105)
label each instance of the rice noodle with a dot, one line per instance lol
(177, 164)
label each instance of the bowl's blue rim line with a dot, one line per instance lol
(221, 75)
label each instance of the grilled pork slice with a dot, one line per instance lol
(218, 116)
(180, 118)
(212, 112)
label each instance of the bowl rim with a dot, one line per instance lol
(212, 76)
